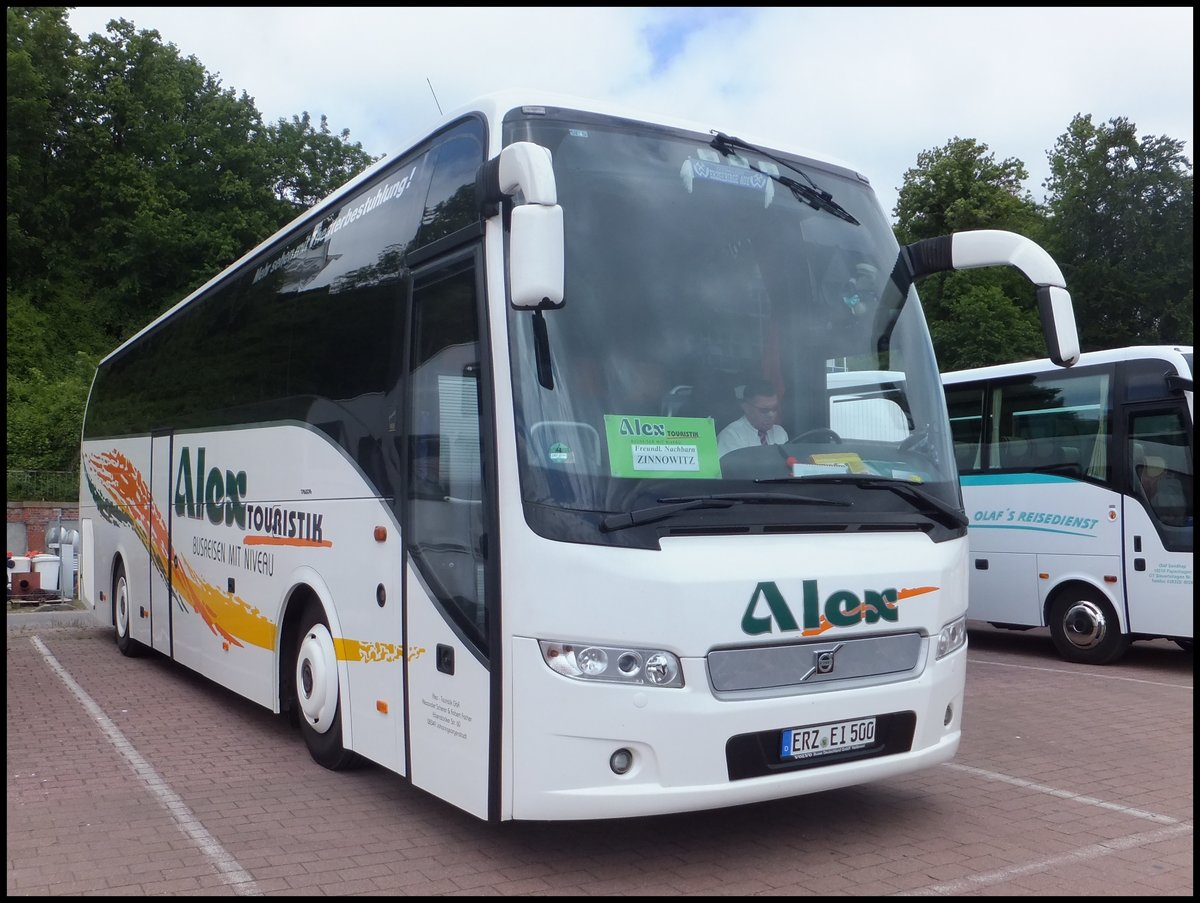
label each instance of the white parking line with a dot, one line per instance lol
(964, 885)
(1092, 672)
(234, 875)
(1062, 794)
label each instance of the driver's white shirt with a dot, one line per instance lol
(740, 434)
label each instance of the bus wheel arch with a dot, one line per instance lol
(310, 683)
(1084, 625)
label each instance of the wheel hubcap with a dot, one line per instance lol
(1085, 625)
(122, 608)
(317, 678)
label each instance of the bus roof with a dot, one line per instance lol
(493, 106)
(1132, 352)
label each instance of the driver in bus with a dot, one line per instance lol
(758, 424)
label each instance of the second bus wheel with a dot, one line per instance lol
(1085, 628)
(315, 671)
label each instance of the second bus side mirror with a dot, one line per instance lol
(996, 247)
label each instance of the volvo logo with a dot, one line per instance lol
(823, 661)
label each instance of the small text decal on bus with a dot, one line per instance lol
(842, 608)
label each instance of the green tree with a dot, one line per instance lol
(1121, 229)
(984, 316)
(133, 177)
(172, 174)
(310, 163)
(41, 53)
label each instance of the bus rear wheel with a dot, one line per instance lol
(316, 703)
(1085, 628)
(122, 613)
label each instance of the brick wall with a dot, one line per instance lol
(38, 517)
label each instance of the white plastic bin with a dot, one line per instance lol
(46, 566)
(22, 567)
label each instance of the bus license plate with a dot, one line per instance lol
(823, 739)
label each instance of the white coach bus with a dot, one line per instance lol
(434, 469)
(1079, 488)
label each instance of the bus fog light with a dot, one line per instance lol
(949, 715)
(621, 761)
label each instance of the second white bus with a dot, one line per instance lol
(1078, 484)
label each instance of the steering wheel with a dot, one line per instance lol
(820, 434)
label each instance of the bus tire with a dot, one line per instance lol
(316, 690)
(1085, 628)
(123, 613)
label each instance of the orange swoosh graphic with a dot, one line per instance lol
(907, 593)
(228, 616)
(123, 497)
(285, 541)
(917, 591)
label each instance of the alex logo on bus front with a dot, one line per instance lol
(841, 608)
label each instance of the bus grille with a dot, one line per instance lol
(810, 665)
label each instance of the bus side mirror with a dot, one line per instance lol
(535, 257)
(524, 172)
(1058, 324)
(996, 247)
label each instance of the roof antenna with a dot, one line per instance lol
(434, 93)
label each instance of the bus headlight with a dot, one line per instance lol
(648, 667)
(953, 636)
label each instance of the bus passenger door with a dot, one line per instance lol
(446, 510)
(1158, 519)
(159, 541)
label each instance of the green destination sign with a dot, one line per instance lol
(662, 446)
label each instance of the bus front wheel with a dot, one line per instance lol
(122, 614)
(315, 674)
(1085, 628)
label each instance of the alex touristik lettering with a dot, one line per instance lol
(223, 501)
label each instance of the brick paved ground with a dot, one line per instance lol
(1070, 781)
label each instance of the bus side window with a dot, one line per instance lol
(1015, 452)
(966, 454)
(1160, 458)
(1163, 490)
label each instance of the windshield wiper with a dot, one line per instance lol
(762, 498)
(812, 193)
(924, 502)
(658, 512)
(669, 507)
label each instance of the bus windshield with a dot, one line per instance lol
(695, 271)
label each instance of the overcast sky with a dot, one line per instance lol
(869, 86)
